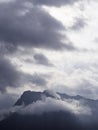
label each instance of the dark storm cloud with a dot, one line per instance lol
(42, 60)
(21, 25)
(54, 2)
(9, 75)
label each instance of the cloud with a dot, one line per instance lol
(42, 60)
(88, 88)
(6, 1)
(79, 24)
(26, 25)
(51, 101)
(7, 100)
(54, 2)
(9, 75)
(38, 80)
(53, 105)
(4, 113)
(46, 105)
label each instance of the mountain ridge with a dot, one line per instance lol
(59, 120)
(32, 96)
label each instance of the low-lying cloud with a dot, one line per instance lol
(48, 104)
(54, 105)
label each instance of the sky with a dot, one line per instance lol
(48, 44)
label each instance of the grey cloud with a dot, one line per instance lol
(79, 24)
(7, 100)
(38, 80)
(7, 49)
(9, 75)
(30, 27)
(54, 2)
(35, 79)
(88, 89)
(6, 1)
(42, 60)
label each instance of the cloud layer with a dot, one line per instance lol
(26, 25)
(53, 105)
(54, 2)
(48, 104)
(9, 75)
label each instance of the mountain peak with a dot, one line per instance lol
(31, 96)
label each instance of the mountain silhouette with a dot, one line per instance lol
(59, 120)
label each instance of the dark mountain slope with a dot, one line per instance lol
(30, 96)
(46, 121)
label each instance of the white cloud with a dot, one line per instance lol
(54, 105)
